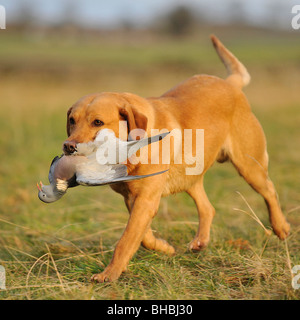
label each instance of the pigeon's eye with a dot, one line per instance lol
(72, 121)
(98, 123)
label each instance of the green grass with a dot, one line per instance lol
(51, 251)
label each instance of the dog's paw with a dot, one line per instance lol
(198, 244)
(282, 230)
(108, 275)
(163, 246)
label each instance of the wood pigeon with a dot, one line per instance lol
(92, 165)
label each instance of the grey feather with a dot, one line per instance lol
(52, 167)
(94, 182)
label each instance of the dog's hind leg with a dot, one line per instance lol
(206, 213)
(249, 156)
(151, 242)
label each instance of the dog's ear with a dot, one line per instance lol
(68, 122)
(135, 119)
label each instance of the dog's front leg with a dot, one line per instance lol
(141, 216)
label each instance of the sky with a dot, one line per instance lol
(113, 13)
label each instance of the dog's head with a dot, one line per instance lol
(96, 112)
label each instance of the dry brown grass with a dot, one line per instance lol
(50, 251)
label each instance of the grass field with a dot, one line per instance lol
(51, 251)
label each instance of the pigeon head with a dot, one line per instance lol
(47, 194)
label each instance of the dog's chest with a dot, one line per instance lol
(178, 181)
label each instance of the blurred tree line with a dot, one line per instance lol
(179, 21)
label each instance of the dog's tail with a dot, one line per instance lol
(237, 73)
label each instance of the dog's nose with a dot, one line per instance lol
(69, 146)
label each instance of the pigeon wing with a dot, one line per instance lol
(130, 178)
(93, 173)
(52, 168)
(101, 182)
(135, 145)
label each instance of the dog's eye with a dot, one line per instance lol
(72, 121)
(98, 123)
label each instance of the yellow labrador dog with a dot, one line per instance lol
(231, 133)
